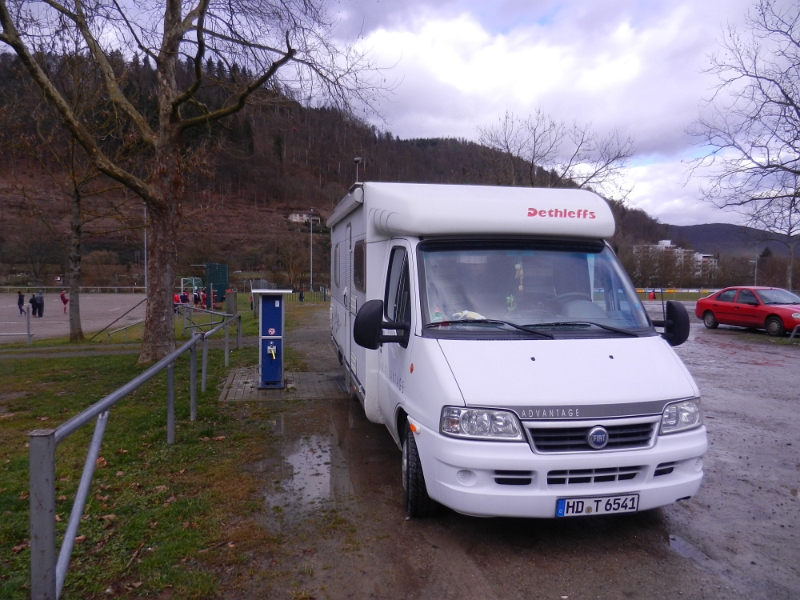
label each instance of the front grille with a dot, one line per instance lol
(513, 477)
(592, 475)
(573, 439)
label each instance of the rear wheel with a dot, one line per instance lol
(709, 320)
(417, 501)
(775, 327)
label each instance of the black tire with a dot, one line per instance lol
(774, 326)
(709, 320)
(417, 501)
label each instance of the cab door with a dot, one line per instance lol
(395, 358)
(748, 310)
(723, 307)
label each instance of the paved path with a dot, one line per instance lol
(242, 385)
(324, 379)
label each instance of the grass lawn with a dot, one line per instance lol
(162, 521)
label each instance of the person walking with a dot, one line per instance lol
(21, 302)
(40, 304)
(34, 305)
(64, 300)
(302, 293)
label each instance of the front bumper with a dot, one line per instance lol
(463, 474)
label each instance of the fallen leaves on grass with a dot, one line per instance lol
(101, 462)
(19, 548)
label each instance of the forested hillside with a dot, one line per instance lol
(243, 178)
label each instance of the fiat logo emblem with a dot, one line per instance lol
(597, 437)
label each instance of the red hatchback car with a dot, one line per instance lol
(774, 309)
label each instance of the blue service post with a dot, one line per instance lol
(270, 330)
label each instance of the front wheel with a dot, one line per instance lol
(709, 320)
(775, 327)
(417, 501)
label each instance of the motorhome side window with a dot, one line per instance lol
(398, 298)
(336, 265)
(360, 266)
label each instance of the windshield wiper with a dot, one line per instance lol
(490, 322)
(588, 323)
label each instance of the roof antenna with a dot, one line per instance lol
(357, 160)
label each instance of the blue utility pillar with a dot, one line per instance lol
(270, 331)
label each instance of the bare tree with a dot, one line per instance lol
(779, 220)
(508, 137)
(93, 206)
(751, 125)
(559, 155)
(283, 44)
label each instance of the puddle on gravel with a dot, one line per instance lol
(314, 471)
(329, 455)
(686, 549)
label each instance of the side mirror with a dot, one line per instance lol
(369, 325)
(676, 326)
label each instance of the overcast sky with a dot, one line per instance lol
(632, 65)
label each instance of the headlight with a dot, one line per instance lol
(481, 423)
(796, 316)
(681, 416)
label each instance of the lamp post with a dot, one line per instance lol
(311, 253)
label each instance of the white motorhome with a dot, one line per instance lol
(498, 338)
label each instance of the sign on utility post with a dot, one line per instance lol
(271, 320)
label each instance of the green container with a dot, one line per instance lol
(216, 279)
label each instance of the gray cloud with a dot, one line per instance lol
(633, 65)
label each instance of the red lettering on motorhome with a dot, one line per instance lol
(558, 213)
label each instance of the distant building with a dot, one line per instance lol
(303, 217)
(651, 257)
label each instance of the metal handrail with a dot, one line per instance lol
(125, 329)
(188, 309)
(48, 572)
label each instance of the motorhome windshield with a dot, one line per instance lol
(556, 289)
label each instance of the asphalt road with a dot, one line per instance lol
(737, 538)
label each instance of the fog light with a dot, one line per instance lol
(698, 465)
(466, 477)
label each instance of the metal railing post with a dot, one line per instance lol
(205, 364)
(42, 479)
(80, 501)
(193, 380)
(171, 403)
(238, 332)
(227, 348)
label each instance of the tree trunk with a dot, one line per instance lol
(162, 249)
(75, 326)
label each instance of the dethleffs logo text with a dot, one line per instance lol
(561, 213)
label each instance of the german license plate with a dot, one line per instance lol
(600, 505)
